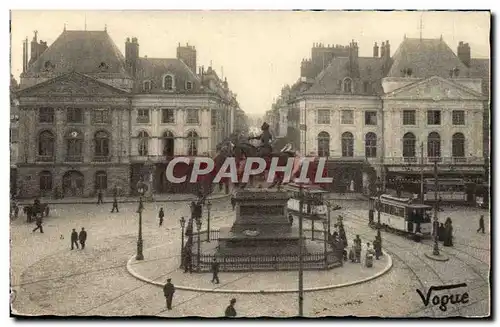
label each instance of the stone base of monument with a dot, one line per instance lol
(262, 233)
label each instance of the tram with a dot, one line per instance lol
(400, 215)
(449, 190)
(314, 206)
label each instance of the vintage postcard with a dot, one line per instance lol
(250, 164)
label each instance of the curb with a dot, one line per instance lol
(94, 201)
(275, 291)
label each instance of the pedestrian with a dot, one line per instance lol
(441, 231)
(115, 205)
(357, 248)
(378, 249)
(74, 239)
(215, 272)
(352, 253)
(16, 211)
(82, 237)
(369, 256)
(448, 240)
(233, 202)
(481, 224)
(38, 224)
(99, 197)
(290, 219)
(161, 214)
(230, 310)
(168, 292)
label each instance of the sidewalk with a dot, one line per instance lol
(123, 199)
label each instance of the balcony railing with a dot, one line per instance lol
(431, 160)
(101, 159)
(45, 158)
(74, 158)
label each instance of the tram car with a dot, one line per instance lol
(400, 215)
(314, 206)
(449, 190)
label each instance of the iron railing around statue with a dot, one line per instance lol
(320, 260)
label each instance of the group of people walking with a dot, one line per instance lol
(75, 237)
(356, 249)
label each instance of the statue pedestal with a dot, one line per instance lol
(261, 226)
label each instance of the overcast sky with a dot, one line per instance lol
(259, 51)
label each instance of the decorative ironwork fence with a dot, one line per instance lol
(328, 259)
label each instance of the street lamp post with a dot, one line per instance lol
(183, 223)
(198, 225)
(209, 205)
(140, 255)
(435, 250)
(325, 227)
(301, 244)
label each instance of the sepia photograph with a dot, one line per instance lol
(249, 164)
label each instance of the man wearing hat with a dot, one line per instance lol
(168, 292)
(265, 139)
(230, 310)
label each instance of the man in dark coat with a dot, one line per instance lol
(168, 292)
(233, 202)
(38, 223)
(481, 224)
(115, 205)
(377, 247)
(99, 197)
(230, 310)
(161, 214)
(215, 272)
(82, 237)
(74, 239)
(441, 232)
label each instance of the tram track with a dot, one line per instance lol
(359, 220)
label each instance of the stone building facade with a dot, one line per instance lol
(377, 112)
(91, 118)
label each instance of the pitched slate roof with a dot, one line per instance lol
(81, 51)
(155, 68)
(330, 79)
(426, 58)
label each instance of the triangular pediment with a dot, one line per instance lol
(434, 88)
(72, 84)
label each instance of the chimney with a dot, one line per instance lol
(387, 51)
(382, 49)
(131, 55)
(34, 48)
(463, 53)
(188, 55)
(375, 50)
(353, 59)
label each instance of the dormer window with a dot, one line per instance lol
(189, 85)
(48, 66)
(168, 82)
(103, 67)
(146, 86)
(347, 85)
(407, 72)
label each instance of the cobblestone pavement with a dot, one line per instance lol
(51, 279)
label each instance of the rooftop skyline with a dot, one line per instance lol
(258, 52)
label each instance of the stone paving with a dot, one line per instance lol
(51, 279)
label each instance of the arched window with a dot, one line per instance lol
(371, 145)
(433, 145)
(146, 86)
(458, 145)
(45, 181)
(46, 144)
(101, 144)
(168, 82)
(347, 85)
(74, 146)
(347, 145)
(409, 141)
(143, 143)
(323, 144)
(168, 144)
(192, 142)
(101, 180)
